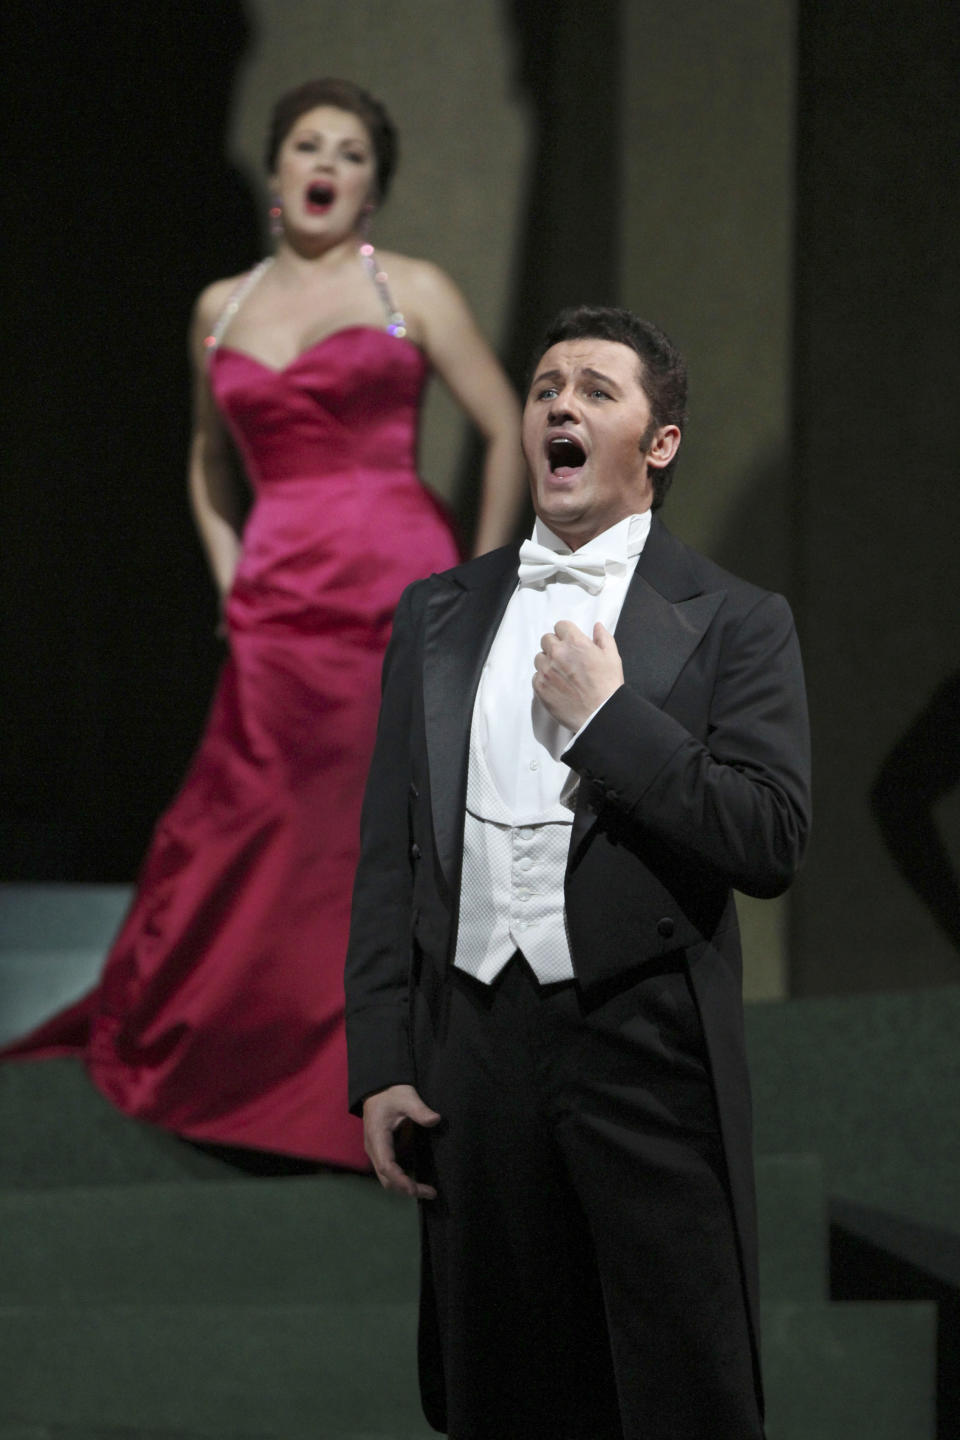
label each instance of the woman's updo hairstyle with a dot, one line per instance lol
(342, 95)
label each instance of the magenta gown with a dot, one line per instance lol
(220, 1011)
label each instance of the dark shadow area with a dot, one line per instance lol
(923, 767)
(569, 251)
(759, 542)
(756, 540)
(119, 205)
(261, 1163)
(876, 340)
(876, 1256)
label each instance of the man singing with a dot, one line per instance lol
(582, 750)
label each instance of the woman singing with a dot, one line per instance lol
(220, 1012)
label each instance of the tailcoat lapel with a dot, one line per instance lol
(665, 614)
(462, 618)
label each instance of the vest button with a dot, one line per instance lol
(414, 851)
(665, 927)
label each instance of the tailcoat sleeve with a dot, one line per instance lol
(378, 957)
(735, 800)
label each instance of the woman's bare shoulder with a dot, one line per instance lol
(422, 287)
(422, 275)
(213, 298)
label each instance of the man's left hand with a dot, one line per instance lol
(574, 674)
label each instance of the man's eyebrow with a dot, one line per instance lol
(604, 379)
(547, 375)
(590, 373)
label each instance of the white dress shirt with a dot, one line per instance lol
(520, 795)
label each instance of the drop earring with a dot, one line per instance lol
(367, 213)
(276, 217)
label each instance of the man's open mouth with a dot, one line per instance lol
(320, 195)
(565, 456)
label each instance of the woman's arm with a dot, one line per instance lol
(463, 359)
(216, 499)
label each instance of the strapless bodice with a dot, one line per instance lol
(349, 403)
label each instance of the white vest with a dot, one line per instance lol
(511, 893)
(515, 850)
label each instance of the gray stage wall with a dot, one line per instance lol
(766, 178)
(877, 498)
(707, 135)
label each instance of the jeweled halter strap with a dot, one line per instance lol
(396, 325)
(238, 294)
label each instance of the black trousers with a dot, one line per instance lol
(581, 1279)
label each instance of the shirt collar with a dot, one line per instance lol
(622, 542)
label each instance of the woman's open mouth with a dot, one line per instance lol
(319, 197)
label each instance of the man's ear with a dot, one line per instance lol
(663, 446)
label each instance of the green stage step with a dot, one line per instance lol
(793, 1231)
(131, 1432)
(840, 1372)
(35, 984)
(849, 1372)
(53, 939)
(112, 1432)
(871, 1084)
(205, 1241)
(57, 1129)
(61, 917)
(323, 1370)
(326, 1237)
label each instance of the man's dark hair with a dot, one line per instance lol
(663, 371)
(341, 95)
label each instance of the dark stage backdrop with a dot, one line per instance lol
(119, 206)
(877, 490)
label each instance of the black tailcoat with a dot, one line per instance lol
(694, 782)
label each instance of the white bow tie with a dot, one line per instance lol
(538, 564)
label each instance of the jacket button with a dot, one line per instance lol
(414, 851)
(612, 796)
(665, 927)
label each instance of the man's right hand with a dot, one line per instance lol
(387, 1114)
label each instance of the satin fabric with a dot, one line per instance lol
(220, 1011)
